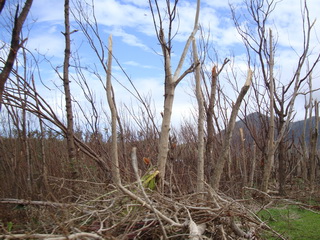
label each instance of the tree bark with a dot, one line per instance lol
(282, 160)
(199, 96)
(114, 149)
(210, 127)
(166, 119)
(243, 163)
(271, 146)
(304, 157)
(253, 165)
(171, 81)
(313, 147)
(67, 91)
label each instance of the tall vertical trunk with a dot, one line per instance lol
(218, 169)
(313, 147)
(271, 146)
(67, 91)
(253, 166)
(26, 149)
(165, 130)
(171, 81)
(282, 161)
(114, 115)
(304, 158)
(199, 96)
(243, 163)
(210, 127)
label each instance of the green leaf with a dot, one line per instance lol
(9, 226)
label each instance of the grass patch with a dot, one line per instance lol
(292, 222)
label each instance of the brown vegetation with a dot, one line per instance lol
(202, 180)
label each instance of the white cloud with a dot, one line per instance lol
(114, 13)
(220, 4)
(140, 3)
(136, 64)
(46, 10)
(47, 42)
(129, 39)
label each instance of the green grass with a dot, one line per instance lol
(292, 222)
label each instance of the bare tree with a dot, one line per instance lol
(114, 116)
(212, 102)
(271, 146)
(67, 91)
(172, 79)
(218, 169)
(16, 42)
(201, 112)
(260, 50)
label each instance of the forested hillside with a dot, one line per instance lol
(298, 131)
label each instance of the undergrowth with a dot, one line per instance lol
(293, 222)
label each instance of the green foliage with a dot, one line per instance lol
(9, 226)
(149, 179)
(293, 222)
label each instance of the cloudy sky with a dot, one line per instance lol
(136, 47)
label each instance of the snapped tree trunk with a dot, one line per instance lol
(210, 127)
(218, 168)
(199, 96)
(110, 96)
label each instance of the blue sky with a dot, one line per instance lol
(136, 46)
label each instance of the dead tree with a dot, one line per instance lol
(114, 116)
(172, 79)
(67, 91)
(199, 95)
(255, 37)
(218, 169)
(271, 147)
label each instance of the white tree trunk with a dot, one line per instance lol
(114, 147)
(171, 82)
(218, 169)
(201, 112)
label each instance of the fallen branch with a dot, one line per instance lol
(51, 236)
(147, 204)
(38, 203)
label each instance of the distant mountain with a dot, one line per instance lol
(258, 123)
(296, 130)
